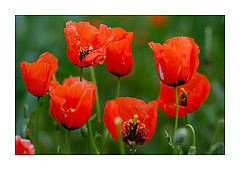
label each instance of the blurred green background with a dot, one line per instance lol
(38, 34)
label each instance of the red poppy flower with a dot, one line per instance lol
(158, 20)
(86, 45)
(23, 146)
(138, 119)
(37, 75)
(119, 59)
(176, 60)
(190, 96)
(71, 103)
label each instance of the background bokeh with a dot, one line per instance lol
(38, 34)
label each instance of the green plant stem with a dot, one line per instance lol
(37, 126)
(105, 142)
(57, 135)
(118, 88)
(91, 138)
(193, 133)
(120, 140)
(81, 73)
(215, 133)
(66, 147)
(108, 134)
(97, 95)
(176, 120)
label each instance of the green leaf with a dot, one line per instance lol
(192, 150)
(177, 149)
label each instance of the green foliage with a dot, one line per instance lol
(177, 149)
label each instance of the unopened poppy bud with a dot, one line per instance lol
(192, 150)
(181, 135)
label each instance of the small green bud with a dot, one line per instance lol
(181, 135)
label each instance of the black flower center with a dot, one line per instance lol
(134, 133)
(183, 97)
(84, 52)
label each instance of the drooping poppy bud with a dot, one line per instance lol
(86, 45)
(71, 103)
(37, 75)
(176, 60)
(23, 146)
(138, 120)
(190, 96)
(119, 59)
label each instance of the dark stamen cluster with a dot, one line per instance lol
(84, 52)
(183, 97)
(134, 133)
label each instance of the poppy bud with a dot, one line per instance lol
(181, 135)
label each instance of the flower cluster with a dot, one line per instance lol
(71, 102)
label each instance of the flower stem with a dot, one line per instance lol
(121, 146)
(81, 73)
(176, 120)
(193, 133)
(37, 126)
(66, 147)
(91, 138)
(97, 95)
(215, 133)
(118, 88)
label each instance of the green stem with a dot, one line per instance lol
(57, 136)
(120, 140)
(66, 147)
(37, 126)
(97, 95)
(176, 120)
(215, 133)
(81, 73)
(105, 142)
(118, 88)
(91, 138)
(193, 133)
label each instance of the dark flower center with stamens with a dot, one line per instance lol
(84, 52)
(134, 133)
(183, 97)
